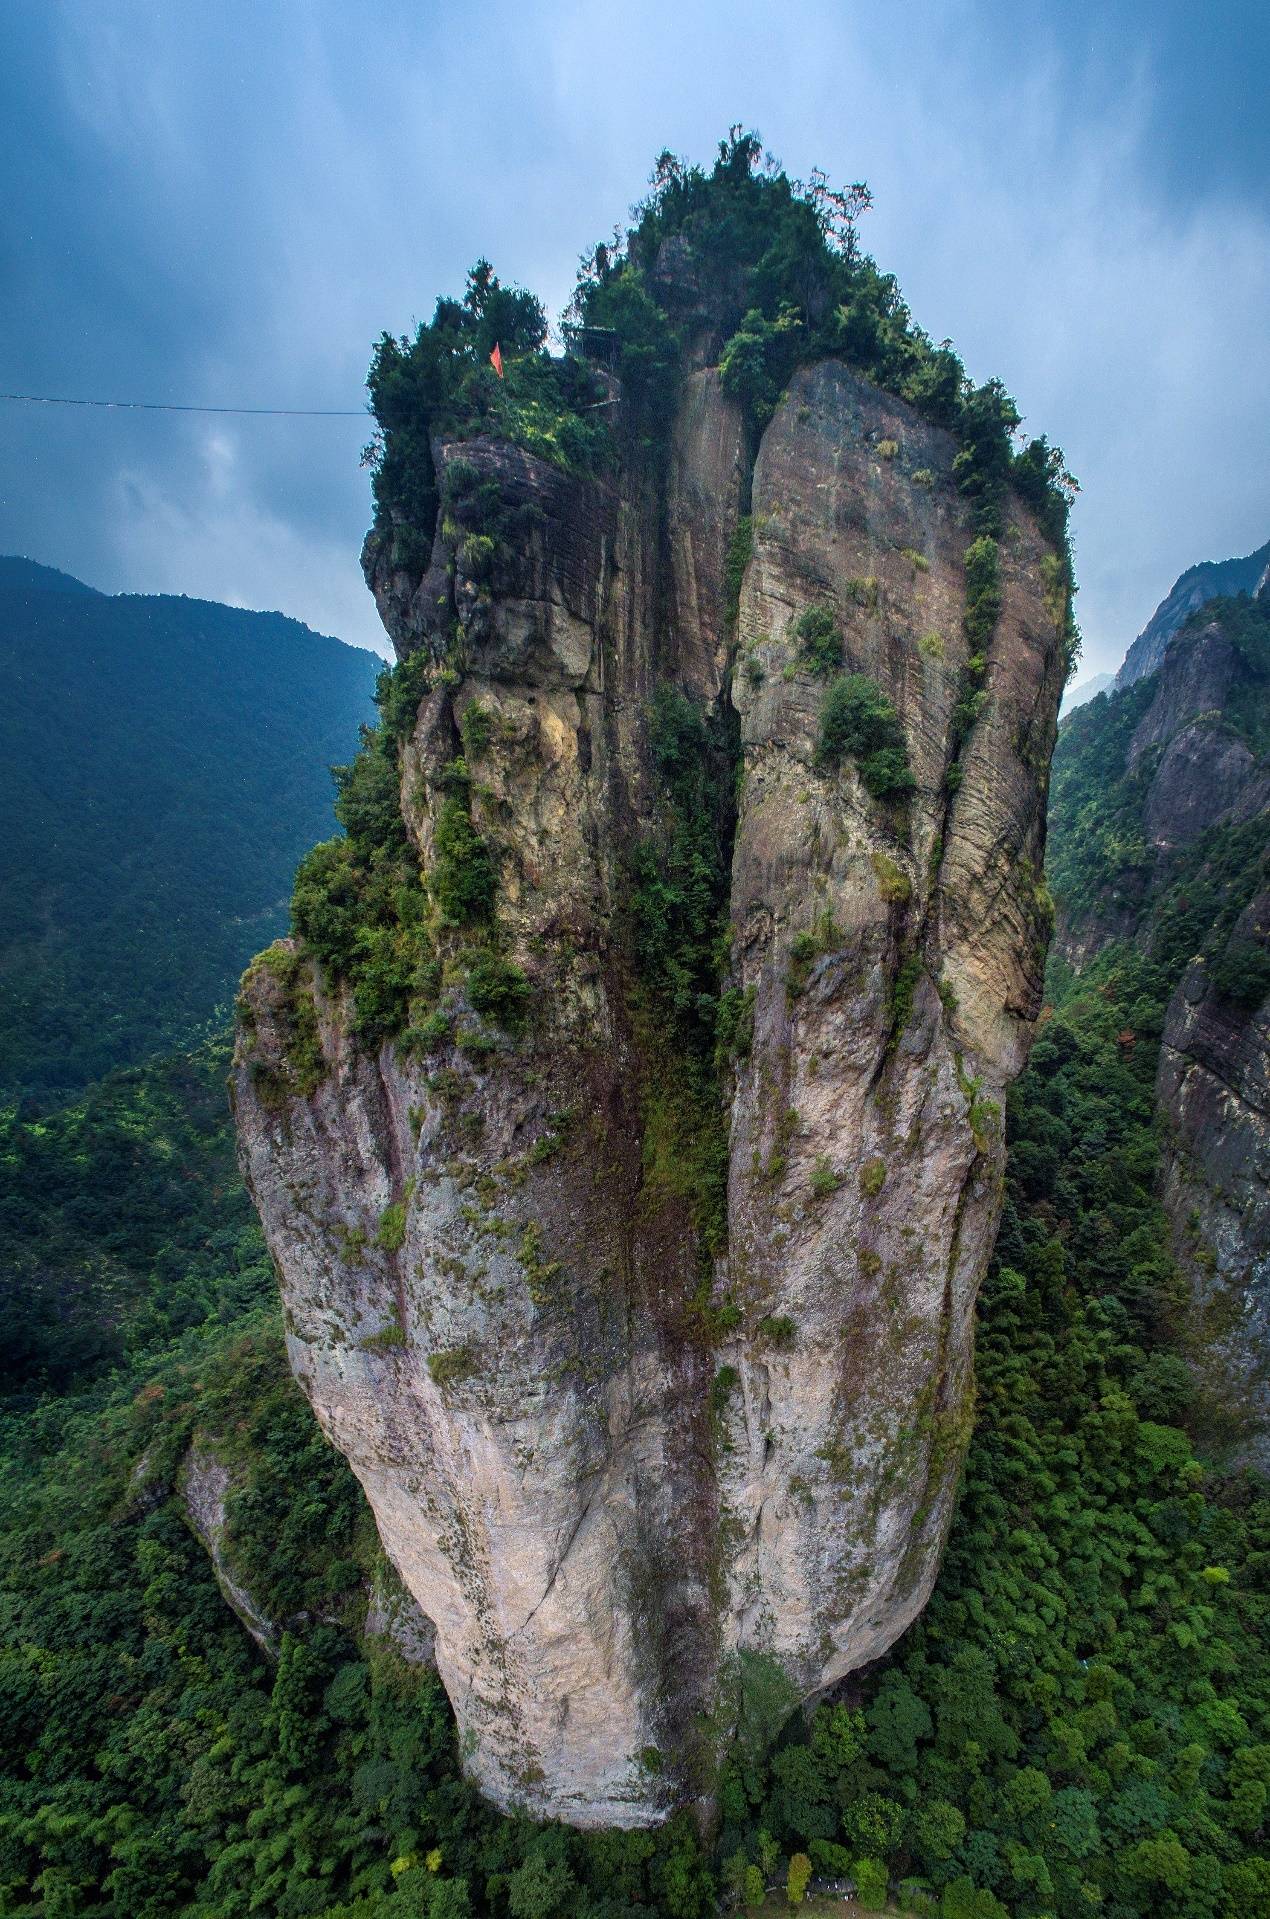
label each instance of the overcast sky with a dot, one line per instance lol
(227, 204)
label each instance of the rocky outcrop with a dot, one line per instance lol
(1203, 771)
(1188, 593)
(205, 1486)
(395, 1619)
(205, 1483)
(630, 1470)
(865, 1150)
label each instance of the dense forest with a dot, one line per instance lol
(162, 767)
(1078, 1724)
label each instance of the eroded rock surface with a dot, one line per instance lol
(1205, 772)
(865, 1153)
(617, 1475)
(1213, 1085)
(205, 1486)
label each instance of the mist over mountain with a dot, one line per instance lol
(1084, 691)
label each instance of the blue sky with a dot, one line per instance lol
(229, 204)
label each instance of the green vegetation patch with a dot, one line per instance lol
(903, 993)
(872, 1177)
(893, 882)
(360, 905)
(301, 1065)
(441, 383)
(463, 882)
(824, 1179)
(819, 640)
(740, 552)
(778, 1329)
(679, 931)
(859, 722)
(452, 1365)
(366, 911)
(724, 1384)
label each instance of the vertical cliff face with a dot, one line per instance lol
(895, 968)
(654, 1357)
(1211, 785)
(1180, 789)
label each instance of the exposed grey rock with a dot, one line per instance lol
(1204, 770)
(839, 1481)
(609, 1495)
(205, 1485)
(394, 1617)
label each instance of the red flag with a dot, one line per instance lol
(496, 360)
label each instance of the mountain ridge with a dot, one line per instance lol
(1208, 579)
(118, 712)
(1161, 841)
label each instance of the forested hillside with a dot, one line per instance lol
(1161, 850)
(163, 764)
(122, 1222)
(1078, 1725)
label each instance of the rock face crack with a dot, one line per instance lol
(558, 1568)
(702, 1311)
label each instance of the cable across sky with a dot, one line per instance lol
(171, 406)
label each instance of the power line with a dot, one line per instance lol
(167, 406)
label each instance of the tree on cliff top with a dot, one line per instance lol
(765, 271)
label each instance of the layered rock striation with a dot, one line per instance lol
(653, 1353)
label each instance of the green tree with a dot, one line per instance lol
(797, 1878)
(859, 722)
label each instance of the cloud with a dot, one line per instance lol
(213, 540)
(230, 204)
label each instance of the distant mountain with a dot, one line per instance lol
(163, 764)
(1087, 690)
(1198, 584)
(28, 576)
(1159, 858)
